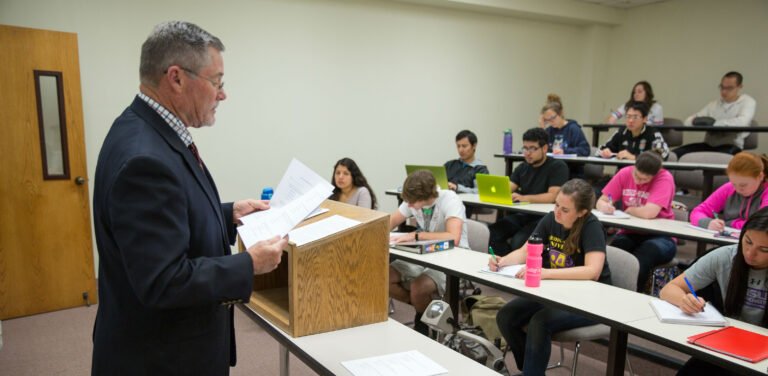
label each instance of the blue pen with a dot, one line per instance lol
(690, 287)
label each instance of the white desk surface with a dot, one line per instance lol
(331, 348)
(623, 309)
(661, 226)
(669, 165)
(591, 297)
(674, 335)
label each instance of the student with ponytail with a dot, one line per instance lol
(574, 248)
(740, 274)
(733, 203)
(558, 127)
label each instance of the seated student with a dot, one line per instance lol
(741, 272)
(734, 203)
(731, 109)
(574, 248)
(461, 172)
(641, 92)
(537, 180)
(439, 215)
(350, 185)
(635, 138)
(565, 135)
(645, 190)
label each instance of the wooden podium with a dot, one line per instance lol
(336, 282)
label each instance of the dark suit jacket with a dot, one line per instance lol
(166, 275)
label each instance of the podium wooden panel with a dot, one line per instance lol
(337, 282)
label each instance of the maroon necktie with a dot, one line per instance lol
(193, 148)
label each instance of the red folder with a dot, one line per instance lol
(739, 343)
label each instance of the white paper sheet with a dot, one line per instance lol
(733, 231)
(507, 271)
(617, 214)
(321, 229)
(303, 192)
(409, 363)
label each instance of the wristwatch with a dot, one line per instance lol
(416, 235)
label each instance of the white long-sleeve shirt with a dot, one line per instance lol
(738, 113)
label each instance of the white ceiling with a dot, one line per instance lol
(622, 3)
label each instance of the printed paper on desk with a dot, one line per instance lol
(733, 231)
(321, 229)
(507, 271)
(562, 156)
(409, 363)
(617, 214)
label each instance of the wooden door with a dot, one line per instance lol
(46, 257)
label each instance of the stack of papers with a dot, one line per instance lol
(300, 192)
(409, 363)
(669, 313)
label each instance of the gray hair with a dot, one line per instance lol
(175, 43)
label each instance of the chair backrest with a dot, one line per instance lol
(750, 143)
(478, 235)
(624, 268)
(593, 171)
(695, 179)
(672, 137)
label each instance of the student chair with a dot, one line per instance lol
(478, 236)
(593, 171)
(673, 137)
(694, 180)
(750, 143)
(624, 268)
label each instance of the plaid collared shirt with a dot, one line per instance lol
(177, 125)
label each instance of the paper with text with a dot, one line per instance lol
(302, 192)
(321, 229)
(617, 214)
(409, 363)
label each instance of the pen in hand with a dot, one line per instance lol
(495, 259)
(690, 287)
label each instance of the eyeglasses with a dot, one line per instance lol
(547, 120)
(218, 84)
(634, 117)
(726, 88)
(531, 149)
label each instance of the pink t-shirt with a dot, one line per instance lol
(660, 191)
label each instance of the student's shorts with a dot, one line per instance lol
(409, 272)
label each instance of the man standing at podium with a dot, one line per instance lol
(167, 278)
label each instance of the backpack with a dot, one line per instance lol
(482, 312)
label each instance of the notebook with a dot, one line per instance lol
(617, 214)
(494, 189)
(671, 314)
(733, 341)
(507, 271)
(437, 171)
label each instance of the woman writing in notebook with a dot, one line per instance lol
(741, 274)
(574, 248)
(732, 204)
(565, 135)
(350, 185)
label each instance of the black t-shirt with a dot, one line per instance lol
(535, 180)
(592, 240)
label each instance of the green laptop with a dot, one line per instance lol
(437, 171)
(494, 189)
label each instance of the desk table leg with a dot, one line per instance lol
(452, 292)
(508, 164)
(284, 370)
(617, 352)
(708, 186)
(595, 137)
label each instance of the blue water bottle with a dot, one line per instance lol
(266, 193)
(508, 141)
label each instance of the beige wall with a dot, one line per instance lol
(683, 48)
(388, 83)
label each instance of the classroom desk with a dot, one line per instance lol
(678, 229)
(709, 170)
(324, 352)
(597, 128)
(626, 312)
(661, 226)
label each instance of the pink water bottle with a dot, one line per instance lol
(533, 262)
